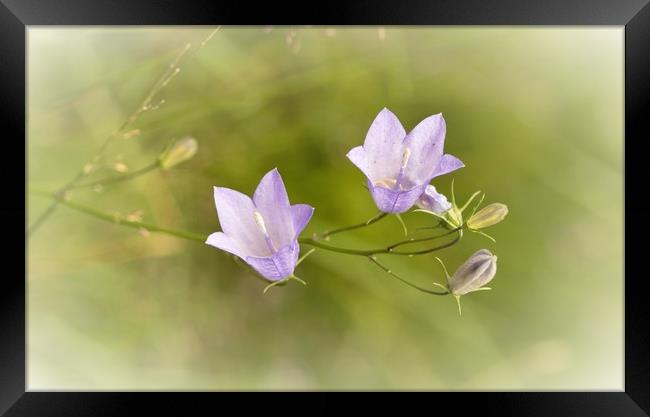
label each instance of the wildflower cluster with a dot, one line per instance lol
(263, 231)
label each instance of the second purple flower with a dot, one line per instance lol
(399, 166)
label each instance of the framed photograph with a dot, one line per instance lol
(427, 198)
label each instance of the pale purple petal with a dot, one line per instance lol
(392, 201)
(447, 164)
(382, 146)
(224, 242)
(235, 211)
(272, 202)
(301, 214)
(433, 201)
(358, 157)
(424, 143)
(278, 266)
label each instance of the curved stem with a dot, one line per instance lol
(121, 178)
(374, 260)
(422, 239)
(437, 226)
(434, 249)
(303, 257)
(401, 222)
(325, 246)
(374, 219)
(370, 252)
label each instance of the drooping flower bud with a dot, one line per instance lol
(179, 152)
(488, 216)
(477, 271)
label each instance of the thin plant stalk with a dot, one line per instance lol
(372, 220)
(374, 260)
(120, 220)
(172, 70)
(125, 177)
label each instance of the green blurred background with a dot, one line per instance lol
(535, 114)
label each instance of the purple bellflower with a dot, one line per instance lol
(262, 231)
(399, 166)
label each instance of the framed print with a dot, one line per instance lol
(435, 198)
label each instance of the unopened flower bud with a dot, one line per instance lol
(488, 216)
(179, 152)
(477, 271)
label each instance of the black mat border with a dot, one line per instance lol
(16, 15)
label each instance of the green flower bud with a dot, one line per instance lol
(477, 271)
(454, 217)
(179, 152)
(488, 216)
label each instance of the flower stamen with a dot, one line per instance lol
(389, 183)
(405, 158)
(259, 220)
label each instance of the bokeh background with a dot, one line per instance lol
(535, 114)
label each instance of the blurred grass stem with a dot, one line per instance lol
(171, 71)
(119, 220)
(113, 180)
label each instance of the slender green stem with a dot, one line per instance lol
(372, 220)
(303, 257)
(121, 178)
(401, 222)
(144, 106)
(418, 229)
(325, 246)
(374, 260)
(43, 216)
(370, 252)
(120, 220)
(434, 249)
(422, 239)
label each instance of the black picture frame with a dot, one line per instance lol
(16, 15)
